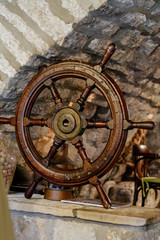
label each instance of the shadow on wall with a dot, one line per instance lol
(134, 27)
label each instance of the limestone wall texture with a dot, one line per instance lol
(43, 31)
(32, 27)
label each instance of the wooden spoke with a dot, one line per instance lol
(55, 94)
(28, 122)
(83, 97)
(53, 149)
(108, 54)
(32, 187)
(77, 142)
(100, 124)
(102, 195)
(129, 125)
(11, 121)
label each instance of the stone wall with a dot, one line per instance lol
(35, 32)
(32, 27)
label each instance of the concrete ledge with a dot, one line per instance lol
(133, 216)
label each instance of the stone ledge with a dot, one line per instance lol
(133, 216)
(37, 204)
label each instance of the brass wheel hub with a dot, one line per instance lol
(67, 123)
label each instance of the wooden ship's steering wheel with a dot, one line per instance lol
(68, 123)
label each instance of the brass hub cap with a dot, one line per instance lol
(67, 123)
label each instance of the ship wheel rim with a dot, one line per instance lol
(115, 101)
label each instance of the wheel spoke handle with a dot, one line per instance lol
(103, 197)
(108, 53)
(11, 121)
(129, 125)
(29, 192)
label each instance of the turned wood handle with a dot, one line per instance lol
(108, 53)
(11, 121)
(105, 200)
(29, 192)
(143, 125)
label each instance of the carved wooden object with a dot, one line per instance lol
(69, 124)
